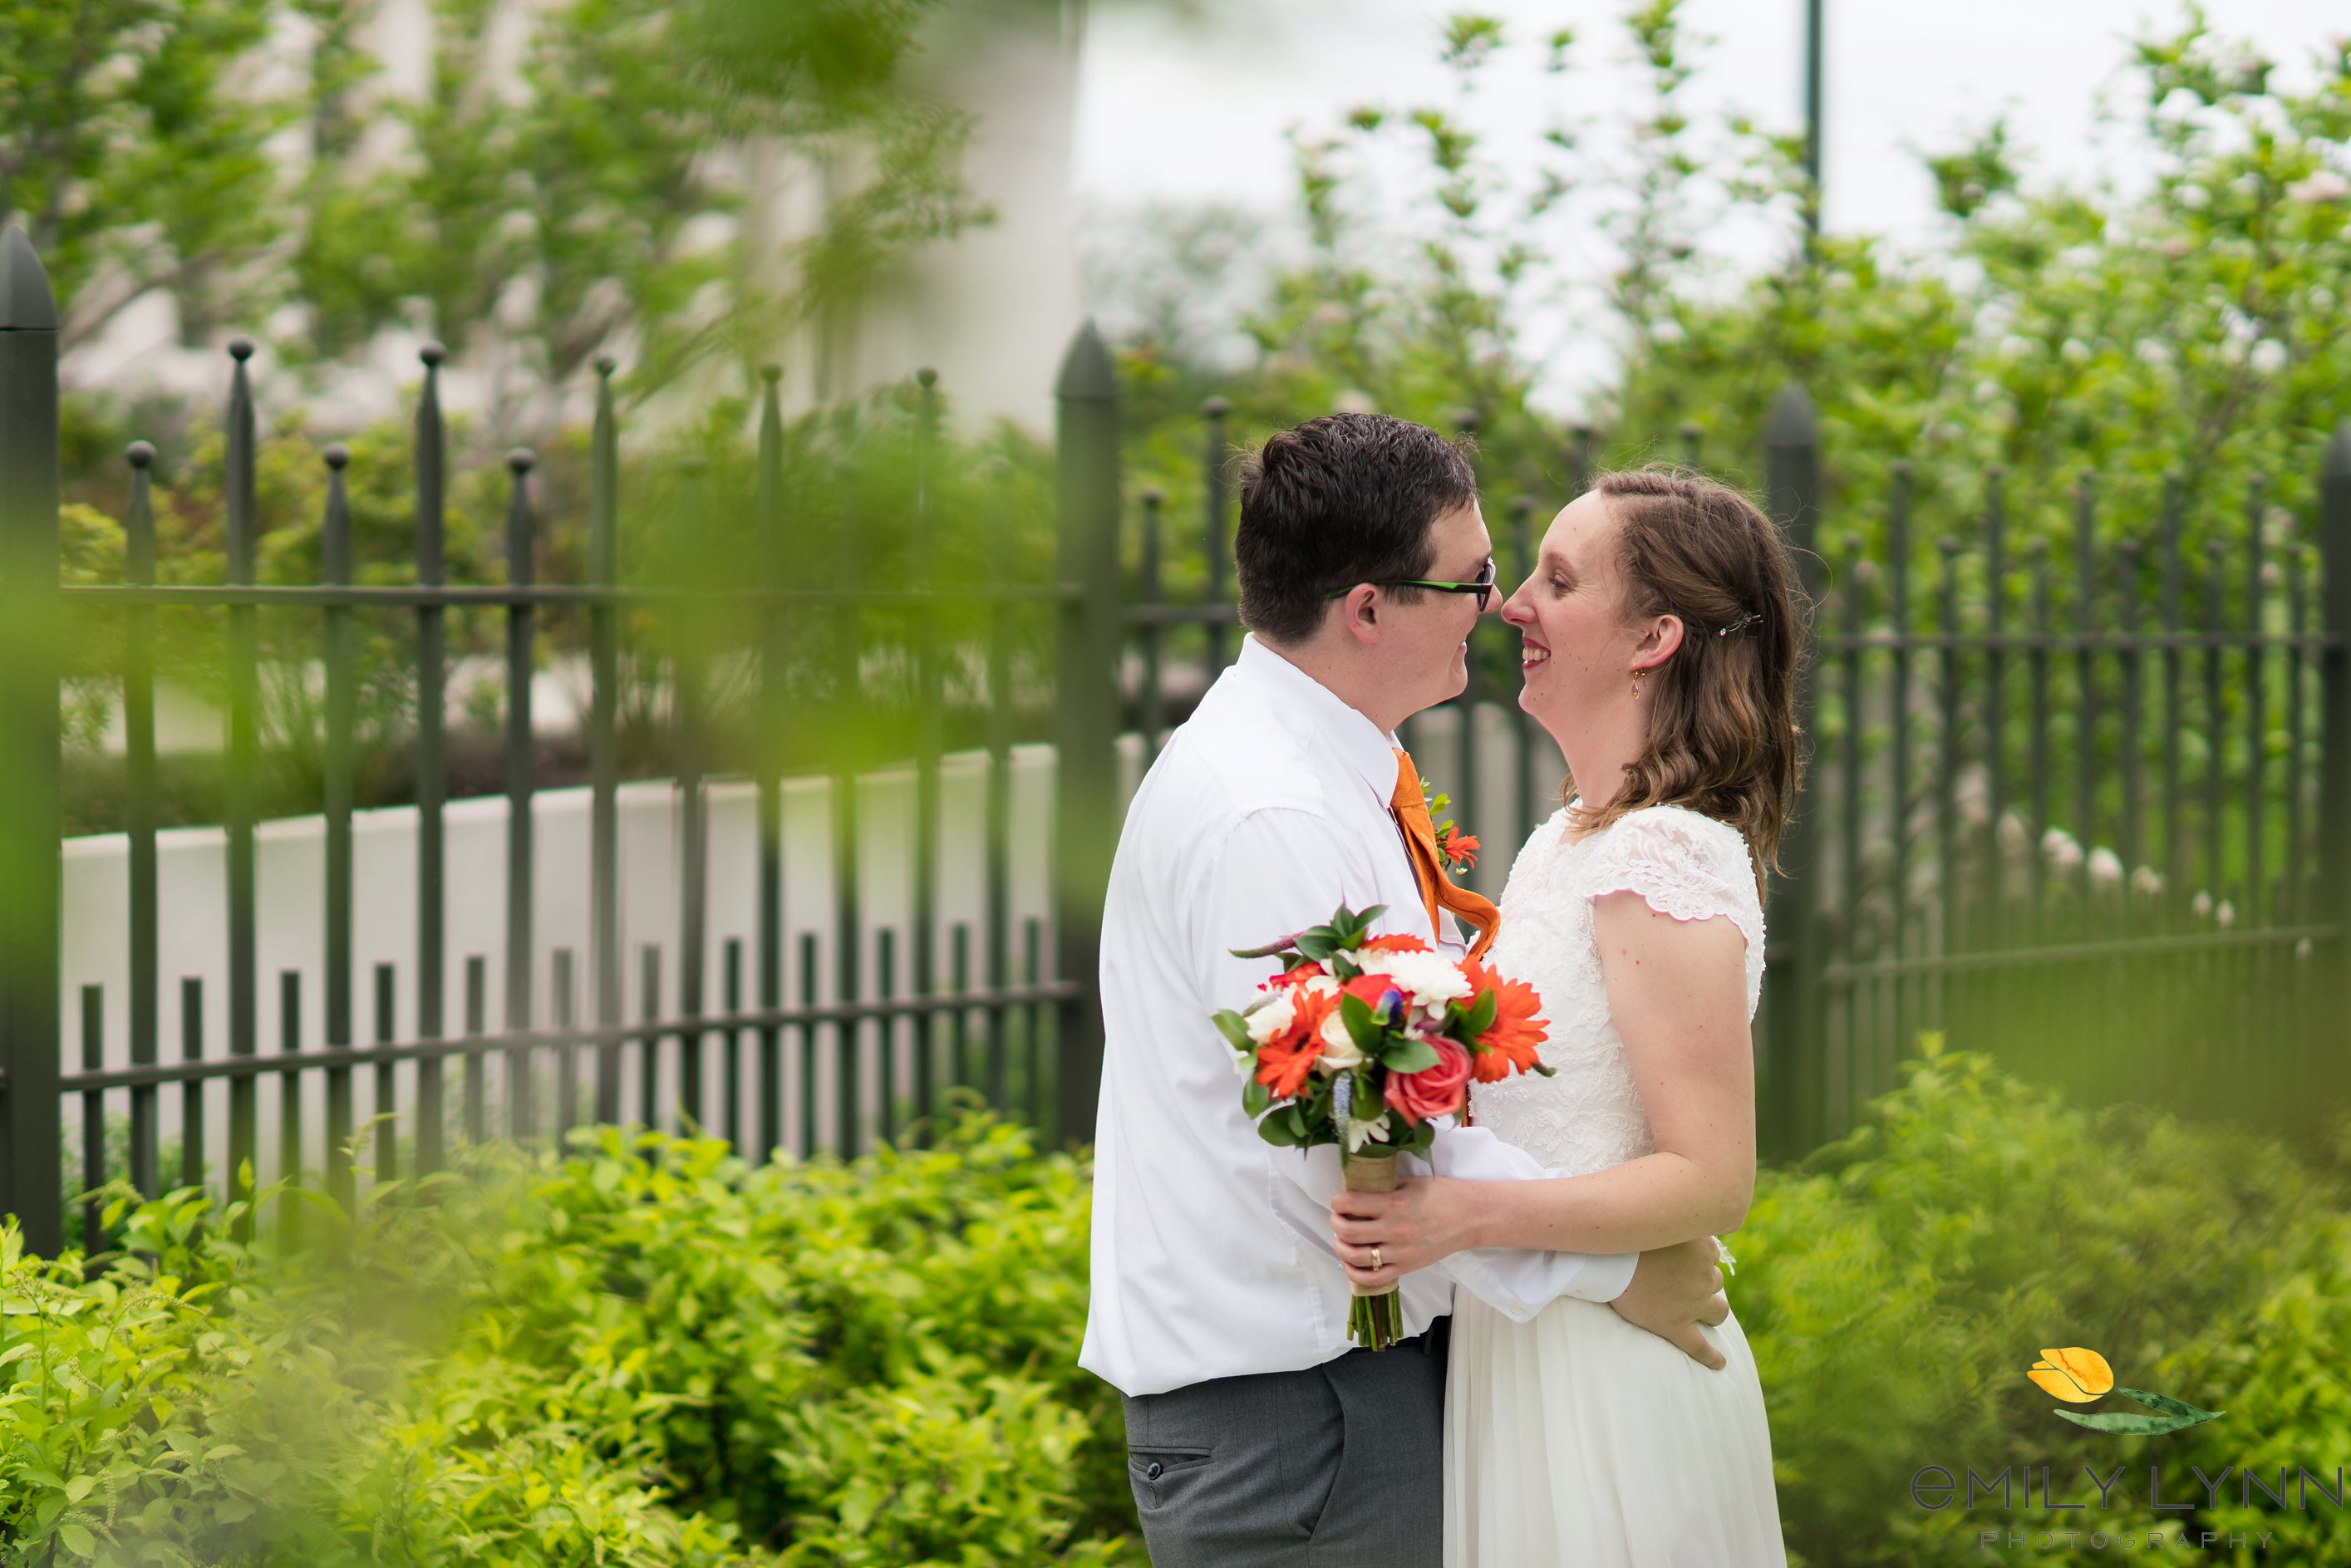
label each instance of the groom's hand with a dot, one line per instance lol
(1674, 1289)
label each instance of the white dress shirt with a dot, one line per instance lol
(1212, 1255)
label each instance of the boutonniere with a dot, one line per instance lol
(1459, 849)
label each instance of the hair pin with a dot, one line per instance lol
(1744, 622)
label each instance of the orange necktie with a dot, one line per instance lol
(1411, 809)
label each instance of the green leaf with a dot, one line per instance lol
(2136, 1426)
(1235, 1029)
(1362, 1028)
(1410, 1055)
(2168, 1406)
(1255, 1098)
(78, 1540)
(1316, 946)
(1274, 1130)
(1480, 1017)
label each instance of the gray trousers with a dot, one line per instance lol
(1343, 1463)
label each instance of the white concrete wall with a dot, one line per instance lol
(289, 866)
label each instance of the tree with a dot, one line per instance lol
(133, 150)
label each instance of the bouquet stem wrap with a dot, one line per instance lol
(1374, 1320)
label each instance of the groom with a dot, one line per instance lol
(1256, 1435)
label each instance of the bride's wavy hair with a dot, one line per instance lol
(1722, 736)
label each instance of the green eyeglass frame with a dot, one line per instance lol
(1486, 588)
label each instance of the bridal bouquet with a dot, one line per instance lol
(1360, 1041)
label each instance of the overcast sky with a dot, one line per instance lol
(1193, 107)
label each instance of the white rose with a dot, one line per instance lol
(1272, 1018)
(1339, 1049)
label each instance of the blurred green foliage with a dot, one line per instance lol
(650, 1349)
(2190, 311)
(646, 1352)
(572, 176)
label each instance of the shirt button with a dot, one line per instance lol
(1154, 1470)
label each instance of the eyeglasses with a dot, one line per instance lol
(1484, 588)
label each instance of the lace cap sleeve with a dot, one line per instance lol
(1686, 865)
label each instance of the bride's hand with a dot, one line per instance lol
(1425, 1220)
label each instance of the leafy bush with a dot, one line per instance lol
(642, 1352)
(1897, 1287)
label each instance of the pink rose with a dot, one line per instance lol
(1433, 1091)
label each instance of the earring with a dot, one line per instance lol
(1637, 681)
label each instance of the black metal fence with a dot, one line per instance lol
(2088, 802)
(2095, 819)
(923, 1007)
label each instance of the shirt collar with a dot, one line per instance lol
(1355, 737)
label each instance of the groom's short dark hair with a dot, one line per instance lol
(1338, 500)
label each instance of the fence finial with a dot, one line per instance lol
(26, 302)
(1793, 422)
(1086, 372)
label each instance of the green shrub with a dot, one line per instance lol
(644, 1352)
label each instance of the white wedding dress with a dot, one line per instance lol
(1576, 1439)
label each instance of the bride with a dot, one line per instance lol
(1660, 653)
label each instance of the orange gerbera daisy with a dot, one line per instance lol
(1403, 942)
(1513, 1042)
(1459, 848)
(1283, 1062)
(1306, 971)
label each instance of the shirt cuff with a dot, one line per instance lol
(1519, 1282)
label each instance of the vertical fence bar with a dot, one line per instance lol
(999, 804)
(807, 1043)
(139, 760)
(192, 1089)
(431, 761)
(2037, 672)
(521, 625)
(2297, 664)
(959, 958)
(2256, 665)
(1995, 706)
(693, 864)
(94, 1117)
(849, 1038)
(1464, 785)
(1579, 460)
(31, 1184)
(1151, 706)
(238, 806)
(1086, 712)
(2334, 874)
(1949, 858)
(2134, 738)
(930, 719)
(477, 1024)
(387, 1026)
(1897, 588)
(290, 1104)
(563, 992)
(335, 570)
(1792, 440)
(1849, 1081)
(603, 743)
(767, 761)
(649, 1011)
(885, 989)
(732, 999)
(2086, 674)
(2175, 829)
(1522, 725)
(2216, 781)
(1215, 503)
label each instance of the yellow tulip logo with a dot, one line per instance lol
(2078, 1376)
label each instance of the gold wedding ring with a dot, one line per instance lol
(1376, 1264)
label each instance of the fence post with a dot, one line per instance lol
(1086, 713)
(30, 1185)
(1793, 1051)
(2334, 775)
